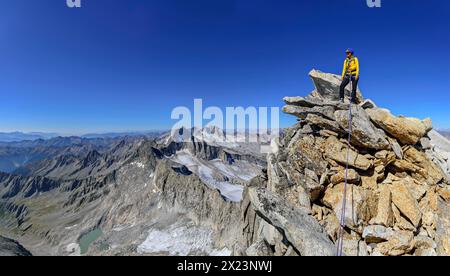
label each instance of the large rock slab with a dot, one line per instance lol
(354, 247)
(327, 86)
(304, 101)
(364, 133)
(385, 215)
(11, 248)
(439, 141)
(442, 159)
(302, 230)
(314, 100)
(406, 203)
(306, 152)
(400, 243)
(424, 242)
(302, 112)
(407, 130)
(443, 228)
(377, 234)
(396, 148)
(352, 177)
(259, 248)
(429, 172)
(440, 152)
(323, 123)
(368, 103)
(357, 209)
(337, 151)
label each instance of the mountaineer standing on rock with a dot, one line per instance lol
(350, 72)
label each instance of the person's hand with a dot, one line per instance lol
(342, 78)
(357, 77)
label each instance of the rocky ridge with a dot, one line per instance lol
(9, 247)
(398, 193)
(141, 192)
(133, 191)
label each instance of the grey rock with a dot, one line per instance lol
(313, 100)
(276, 179)
(364, 133)
(428, 123)
(302, 112)
(442, 228)
(304, 101)
(290, 252)
(328, 133)
(425, 143)
(363, 249)
(440, 152)
(368, 103)
(427, 252)
(327, 86)
(304, 198)
(357, 199)
(439, 141)
(377, 233)
(337, 151)
(270, 234)
(395, 146)
(442, 159)
(323, 123)
(9, 247)
(354, 248)
(312, 184)
(302, 230)
(407, 130)
(259, 248)
(305, 130)
(424, 242)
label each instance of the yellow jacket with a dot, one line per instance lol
(351, 66)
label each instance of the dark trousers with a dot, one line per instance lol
(344, 83)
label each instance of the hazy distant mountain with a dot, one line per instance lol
(148, 134)
(19, 151)
(14, 155)
(21, 136)
(445, 133)
(33, 136)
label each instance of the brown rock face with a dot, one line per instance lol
(323, 123)
(397, 194)
(385, 215)
(400, 243)
(429, 172)
(407, 130)
(364, 133)
(352, 177)
(337, 151)
(406, 203)
(358, 207)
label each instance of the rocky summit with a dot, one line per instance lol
(201, 196)
(398, 191)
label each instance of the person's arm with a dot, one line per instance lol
(344, 69)
(357, 68)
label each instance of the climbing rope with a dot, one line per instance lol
(344, 199)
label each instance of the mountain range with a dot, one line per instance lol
(21, 136)
(193, 192)
(32, 136)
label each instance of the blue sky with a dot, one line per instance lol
(117, 65)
